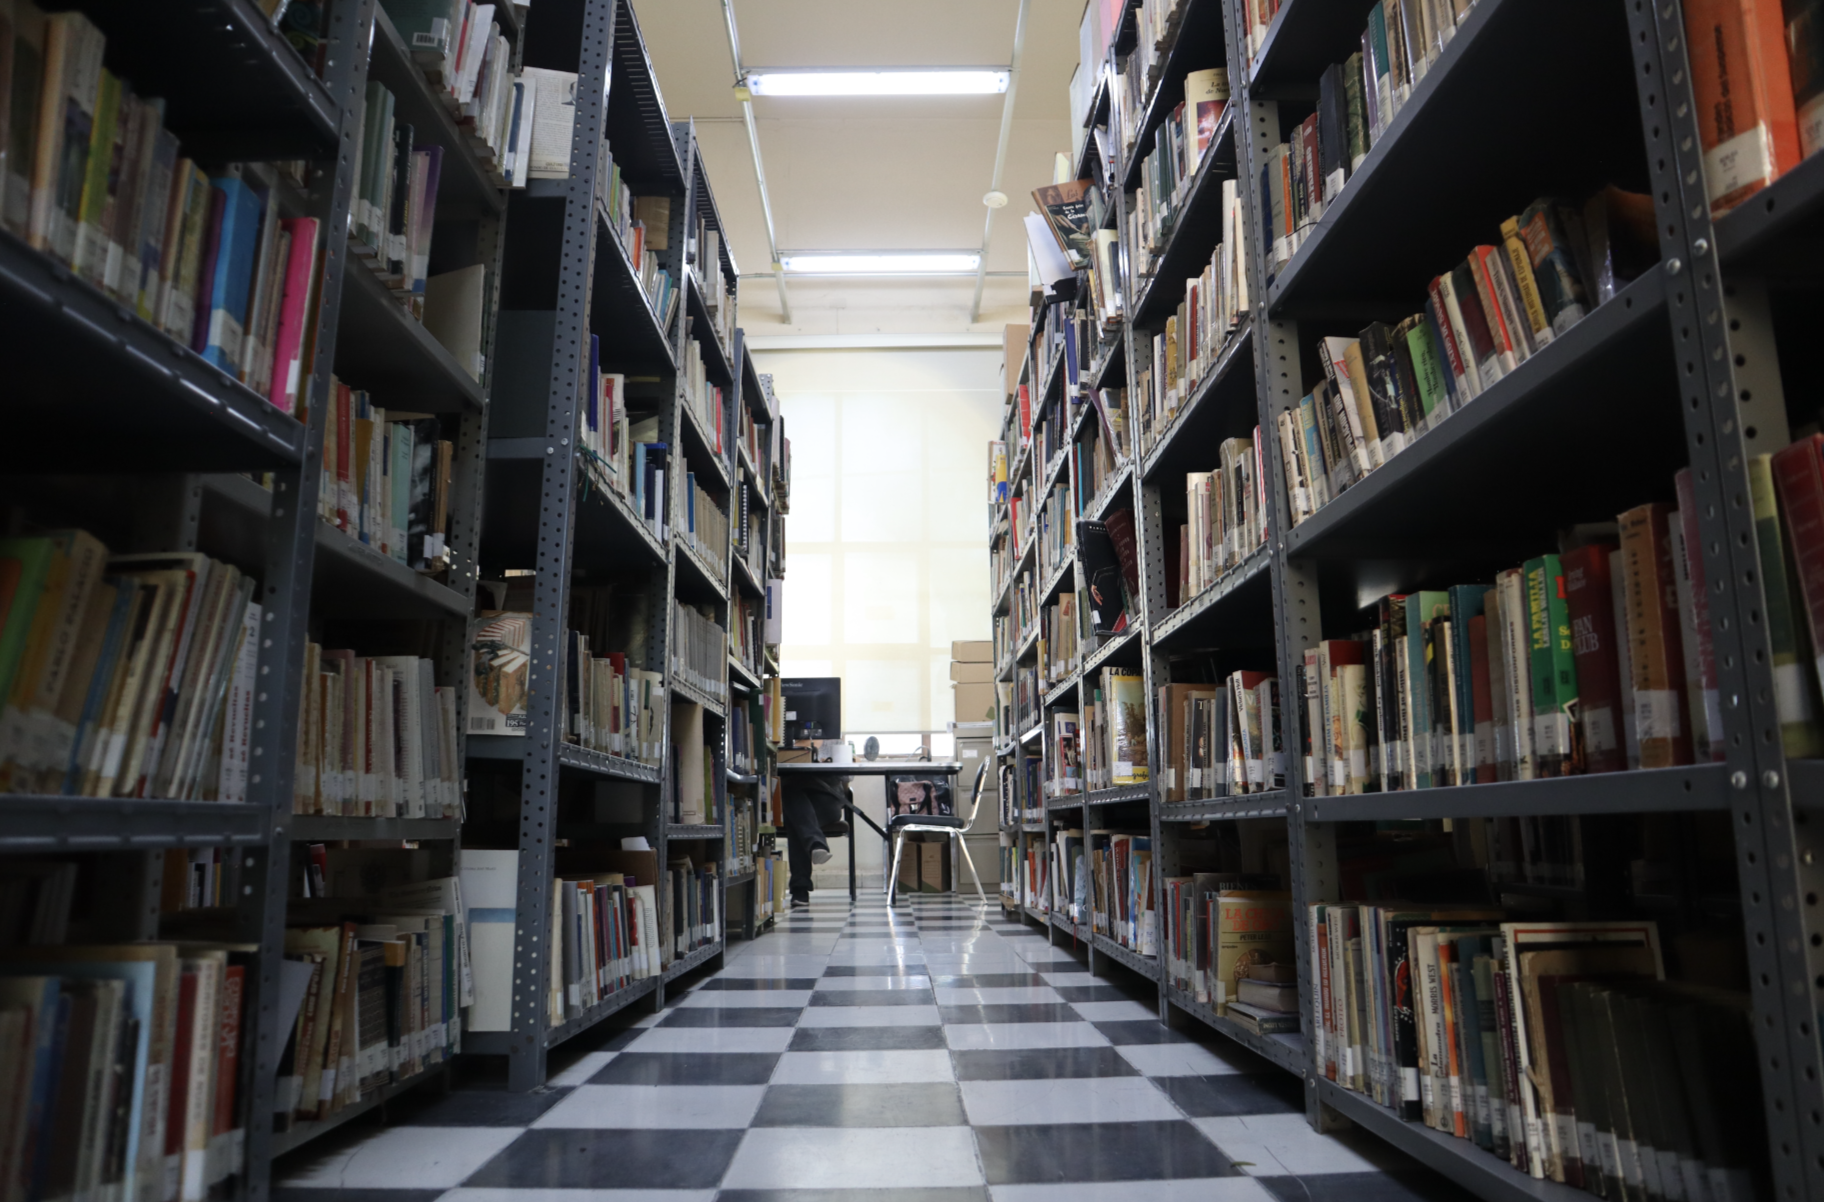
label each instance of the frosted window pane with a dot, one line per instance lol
(807, 600)
(883, 506)
(813, 515)
(882, 694)
(957, 592)
(880, 595)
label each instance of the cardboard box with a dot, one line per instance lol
(967, 652)
(933, 867)
(908, 867)
(971, 673)
(974, 702)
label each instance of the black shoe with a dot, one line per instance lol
(801, 901)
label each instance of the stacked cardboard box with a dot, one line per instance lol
(972, 676)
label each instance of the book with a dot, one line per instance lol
(1748, 123)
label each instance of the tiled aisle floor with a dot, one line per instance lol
(933, 1054)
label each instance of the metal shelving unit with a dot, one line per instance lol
(1702, 330)
(144, 427)
(567, 276)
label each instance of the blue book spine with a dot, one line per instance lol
(233, 279)
(595, 380)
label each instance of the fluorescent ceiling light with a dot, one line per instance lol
(968, 81)
(918, 262)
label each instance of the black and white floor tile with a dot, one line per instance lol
(931, 1053)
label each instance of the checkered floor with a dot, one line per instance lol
(934, 1053)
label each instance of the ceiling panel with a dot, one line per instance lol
(873, 173)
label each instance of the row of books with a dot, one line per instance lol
(377, 738)
(643, 483)
(1056, 529)
(1113, 729)
(747, 630)
(469, 64)
(706, 263)
(122, 1075)
(1558, 1046)
(1597, 659)
(747, 736)
(610, 706)
(1221, 738)
(699, 651)
(705, 526)
(602, 431)
(378, 998)
(607, 932)
(1116, 885)
(1137, 75)
(386, 482)
(743, 835)
(1385, 388)
(695, 910)
(394, 205)
(1357, 102)
(1166, 173)
(199, 878)
(1186, 352)
(643, 224)
(1063, 638)
(697, 784)
(1226, 517)
(1096, 457)
(708, 401)
(124, 675)
(1218, 927)
(1257, 17)
(93, 179)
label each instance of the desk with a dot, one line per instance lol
(949, 768)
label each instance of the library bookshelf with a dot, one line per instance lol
(1707, 332)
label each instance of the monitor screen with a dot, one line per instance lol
(813, 707)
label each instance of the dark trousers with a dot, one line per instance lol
(810, 805)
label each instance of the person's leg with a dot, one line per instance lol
(828, 810)
(803, 835)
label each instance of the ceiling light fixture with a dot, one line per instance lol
(925, 262)
(963, 81)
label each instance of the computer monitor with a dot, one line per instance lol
(813, 707)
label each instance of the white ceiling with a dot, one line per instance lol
(889, 173)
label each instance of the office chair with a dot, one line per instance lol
(951, 825)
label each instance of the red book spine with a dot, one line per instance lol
(1482, 698)
(178, 1110)
(1590, 601)
(228, 1049)
(1451, 351)
(1324, 987)
(1798, 473)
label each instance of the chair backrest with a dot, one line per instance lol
(975, 795)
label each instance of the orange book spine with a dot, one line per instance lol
(1745, 112)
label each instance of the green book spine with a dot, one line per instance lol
(1793, 682)
(1564, 668)
(25, 563)
(1549, 742)
(1357, 113)
(1427, 368)
(1383, 65)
